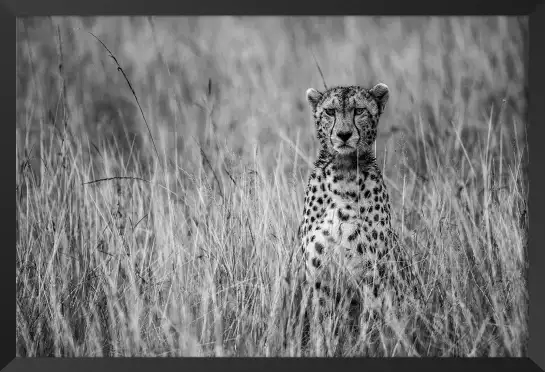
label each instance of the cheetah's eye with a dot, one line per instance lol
(330, 112)
(359, 111)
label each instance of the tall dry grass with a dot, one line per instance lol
(183, 242)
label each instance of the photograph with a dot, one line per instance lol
(272, 186)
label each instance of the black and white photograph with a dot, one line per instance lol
(272, 186)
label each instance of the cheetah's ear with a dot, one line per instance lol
(313, 98)
(381, 94)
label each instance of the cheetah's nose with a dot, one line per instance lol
(344, 136)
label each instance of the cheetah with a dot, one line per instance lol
(346, 224)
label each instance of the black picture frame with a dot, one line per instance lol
(11, 9)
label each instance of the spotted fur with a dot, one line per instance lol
(346, 225)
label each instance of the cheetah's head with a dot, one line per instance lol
(347, 117)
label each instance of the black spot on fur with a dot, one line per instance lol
(375, 234)
(351, 194)
(367, 194)
(342, 216)
(316, 262)
(353, 236)
(319, 247)
(359, 248)
(320, 201)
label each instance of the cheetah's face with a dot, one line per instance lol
(347, 117)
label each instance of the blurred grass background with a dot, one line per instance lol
(186, 256)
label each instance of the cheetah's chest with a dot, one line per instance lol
(352, 224)
(340, 221)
